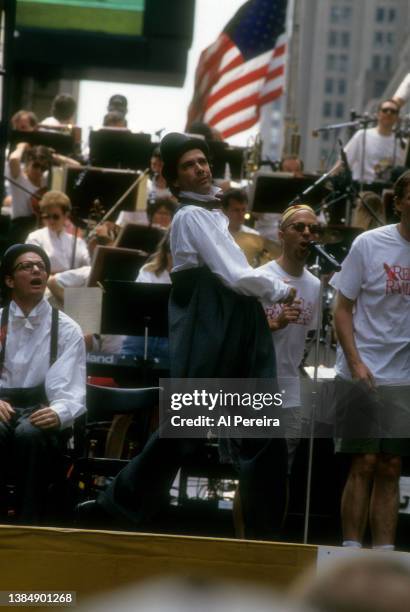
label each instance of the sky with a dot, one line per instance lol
(152, 108)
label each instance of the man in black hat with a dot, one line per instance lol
(217, 328)
(42, 378)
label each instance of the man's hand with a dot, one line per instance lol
(6, 412)
(288, 314)
(45, 418)
(290, 297)
(361, 373)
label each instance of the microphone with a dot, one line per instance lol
(330, 260)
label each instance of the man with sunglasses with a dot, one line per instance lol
(374, 151)
(290, 323)
(42, 379)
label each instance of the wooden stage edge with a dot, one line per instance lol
(90, 562)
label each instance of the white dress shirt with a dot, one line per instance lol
(201, 237)
(59, 248)
(27, 359)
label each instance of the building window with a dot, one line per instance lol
(345, 39)
(376, 62)
(330, 61)
(327, 109)
(329, 86)
(347, 13)
(378, 39)
(334, 14)
(341, 87)
(387, 63)
(380, 14)
(332, 38)
(378, 88)
(392, 14)
(340, 110)
(390, 38)
(343, 63)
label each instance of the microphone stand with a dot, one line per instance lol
(324, 259)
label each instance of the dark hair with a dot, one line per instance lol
(113, 118)
(39, 153)
(234, 194)
(400, 187)
(32, 119)
(63, 107)
(153, 207)
(118, 102)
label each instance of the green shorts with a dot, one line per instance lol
(372, 421)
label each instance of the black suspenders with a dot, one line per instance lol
(3, 336)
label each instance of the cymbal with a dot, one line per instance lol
(333, 234)
(258, 250)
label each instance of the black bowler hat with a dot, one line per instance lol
(173, 146)
(13, 252)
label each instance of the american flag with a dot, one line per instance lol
(243, 69)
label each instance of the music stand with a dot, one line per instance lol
(120, 148)
(116, 264)
(86, 184)
(136, 236)
(272, 193)
(221, 154)
(60, 142)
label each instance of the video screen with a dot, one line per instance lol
(120, 17)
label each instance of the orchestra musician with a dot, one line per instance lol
(235, 207)
(64, 250)
(374, 151)
(210, 275)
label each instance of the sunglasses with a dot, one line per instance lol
(28, 266)
(300, 227)
(389, 111)
(53, 217)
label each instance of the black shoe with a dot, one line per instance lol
(90, 515)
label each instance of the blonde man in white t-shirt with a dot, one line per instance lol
(290, 324)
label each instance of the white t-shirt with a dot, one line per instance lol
(376, 274)
(21, 205)
(147, 276)
(381, 152)
(289, 342)
(59, 248)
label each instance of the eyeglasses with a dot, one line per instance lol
(389, 111)
(300, 227)
(28, 266)
(54, 216)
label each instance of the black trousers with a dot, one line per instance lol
(29, 456)
(214, 332)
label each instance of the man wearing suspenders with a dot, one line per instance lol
(42, 379)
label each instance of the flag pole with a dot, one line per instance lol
(291, 141)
